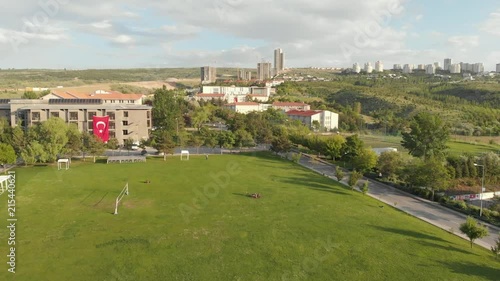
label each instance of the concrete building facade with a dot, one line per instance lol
(208, 74)
(127, 120)
(447, 64)
(264, 71)
(327, 120)
(279, 61)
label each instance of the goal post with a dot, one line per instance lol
(119, 198)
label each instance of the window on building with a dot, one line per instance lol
(111, 115)
(111, 125)
(90, 125)
(125, 114)
(91, 114)
(148, 114)
(73, 116)
(148, 122)
(112, 134)
(35, 116)
(125, 123)
(125, 132)
(54, 114)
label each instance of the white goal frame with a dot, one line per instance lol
(60, 163)
(185, 152)
(119, 198)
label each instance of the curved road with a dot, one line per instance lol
(425, 210)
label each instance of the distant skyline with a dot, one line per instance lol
(236, 33)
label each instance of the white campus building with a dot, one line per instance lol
(455, 68)
(234, 94)
(379, 66)
(327, 120)
(430, 69)
(407, 68)
(368, 67)
(356, 68)
(447, 64)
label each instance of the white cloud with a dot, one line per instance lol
(492, 24)
(101, 24)
(123, 39)
(419, 17)
(464, 42)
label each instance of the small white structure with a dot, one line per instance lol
(185, 152)
(381, 150)
(119, 198)
(60, 163)
(3, 183)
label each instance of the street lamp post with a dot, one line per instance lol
(482, 189)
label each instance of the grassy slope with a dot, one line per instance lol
(66, 232)
(455, 147)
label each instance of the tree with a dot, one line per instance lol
(18, 139)
(496, 249)
(427, 137)
(333, 146)
(200, 116)
(354, 178)
(74, 144)
(30, 95)
(389, 163)
(53, 137)
(365, 187)
(7, 154)
(225, 139)
(94, 145)
(127, 144)
(316, 125)
(339, 173)
(365, 160)
(352, 147)
(243, 139)
(473, 230)
(431, 174)
(112, 143)
(33, 152)
(281, 144)
(167, 115)
(164, 143)
(196, 141)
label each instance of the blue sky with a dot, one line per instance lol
(236, 33)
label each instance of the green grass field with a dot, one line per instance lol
(456, 147)
(305, 226)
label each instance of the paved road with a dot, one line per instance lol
(425, 210)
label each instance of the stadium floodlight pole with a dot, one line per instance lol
(482, 189)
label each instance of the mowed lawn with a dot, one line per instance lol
(305, 226)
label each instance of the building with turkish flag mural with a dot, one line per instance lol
(124, 120)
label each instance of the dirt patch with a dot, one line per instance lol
(131, 204)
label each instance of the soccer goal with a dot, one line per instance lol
(120, 196)
(184, 153)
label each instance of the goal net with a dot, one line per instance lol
(120, 196)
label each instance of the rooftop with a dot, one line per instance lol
(277, 103)
(305, 113)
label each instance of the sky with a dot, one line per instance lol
(80, 34)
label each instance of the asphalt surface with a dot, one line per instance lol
(425, 210)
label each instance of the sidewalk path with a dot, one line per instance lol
(425, 210)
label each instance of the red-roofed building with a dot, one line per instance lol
(326, 120)
(286, 106)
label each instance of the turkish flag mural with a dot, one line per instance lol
(101, 127)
